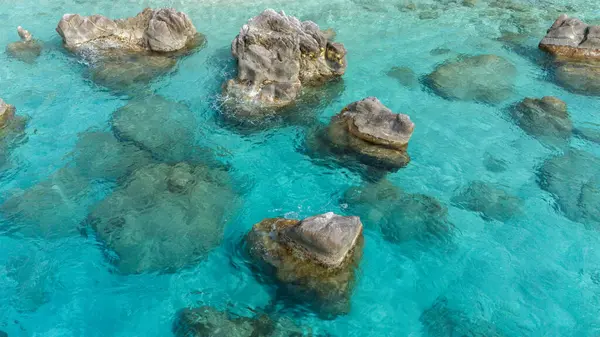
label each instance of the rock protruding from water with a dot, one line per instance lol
(123, 52)
(314, 258)
(574, 180)
(163, 127)
(490, 201)
(482, 78)
(399, 216)
(99, 155)
(26, 50)
(164, 217)
(277, 54)
(572, 38)
(576, 48)
(372, 133)
(12, 128)
(546, 118)
(207, 321)
(7, 113)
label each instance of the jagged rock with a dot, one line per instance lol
(165, 128)
(405, 76)
(207, 321)
(314, 258)
(373, 133)
(576, 48)
(52, 208)
(399, 216)
(164, 217)
(441, 321)
(573, 179)
(491, 202)
(277, 55)
(546, 118)
(26, 50)
(99, 155)
(126, 51)
(481, 78)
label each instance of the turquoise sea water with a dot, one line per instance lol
(536, 274)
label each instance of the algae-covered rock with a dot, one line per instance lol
(164, 217)
(546, 118)
(314, 258)
(482, 78)
(490, 201)
(26, 50)
(397, 215)
(276, 55)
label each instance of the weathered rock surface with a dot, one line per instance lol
(278, 54)
(12, 129)
(573, 179)
(164, 128)
(164, 217)
(99, 155)
(372, 133)
(314, 258)
(126, 51)
(441, 321)
(399, 216)
(26, 50)
(491, 202)
(546, 118)
(207, 321)
(51, 208)
(482, 78)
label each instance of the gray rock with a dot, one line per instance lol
(26, 50)
(483, 78)
(278, 54)
(546, 118)
(164, 217)
(573, 179)
(99, 155)
(488, 200)
(328, 238)
(565, 31)
(165, 128)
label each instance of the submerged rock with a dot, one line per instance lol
(277, 55)
(481, 78)
(165, 128)
(207, 321)
(314, 258)
(405, 76)
(493, 163)
(164, 217)
(399, 216)
(488, 200)
(441, 321)
(99, 155)
(372, 133)
(26, 50)
(576, 48)
(126, 51)
(546, 118)
(589, 134)
(52, 208)
(573, 179)
(34, 278)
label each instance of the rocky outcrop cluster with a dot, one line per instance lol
(26, 50)
(123, 52)
(372, 133)
(276, 55)
(482, 78)
(576, 48)
(313, 258)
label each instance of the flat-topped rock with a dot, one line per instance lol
(546, 118)
(26, 50)
(570, 37)
(314, 258)
(372, 133)
(277, 54)
(327, 238)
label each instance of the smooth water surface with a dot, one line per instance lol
(534, 274)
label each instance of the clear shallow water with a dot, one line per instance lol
(533, 275)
